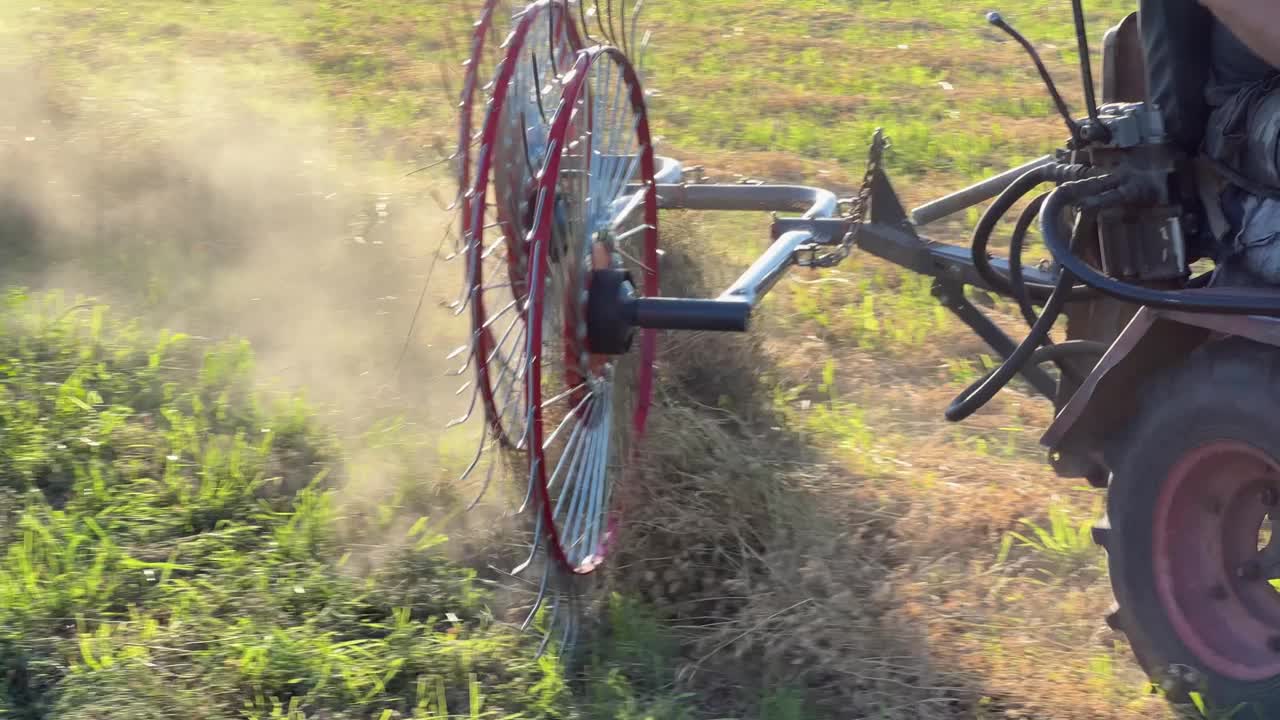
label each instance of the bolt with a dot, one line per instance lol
(1218, 592)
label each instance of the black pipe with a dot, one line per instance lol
(1069, 349)
(1200, 301)
(691, 314)
(1056, 172)
(1016, 281)
(1086, 63)
(980, 393)
(987, 224)
(1072, 126)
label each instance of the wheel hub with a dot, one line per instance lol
(1215, 558)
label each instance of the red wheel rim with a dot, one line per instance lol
(498, 340)
(1211, 569)
(581, 526)
(474, 68)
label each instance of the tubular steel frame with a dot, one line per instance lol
(889, 234)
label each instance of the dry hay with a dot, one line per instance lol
(729, 539)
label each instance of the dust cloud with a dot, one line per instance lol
(214, 219)
(194, 210)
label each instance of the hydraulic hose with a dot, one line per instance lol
(1024, 302)
(980, 393)
(1054, 172)
(1069, 349)
(1096, 189)
(1019, 289)
(1017, 284)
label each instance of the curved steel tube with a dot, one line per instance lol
(813, 202)
(669, 170)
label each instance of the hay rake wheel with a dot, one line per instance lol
(588, 407)
(595, 220)
(530, 133)
(512, 140)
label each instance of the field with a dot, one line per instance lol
(227, 491)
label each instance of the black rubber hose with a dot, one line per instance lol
(980, 393)
(987, 224)
(1017, 285)
(1054, 172)
(1069, 349)
(1190, 301)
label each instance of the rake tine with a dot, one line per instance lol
(591, 523)
(571, 626)
(586, 27)
(470, 409)
(476, 460)
(635, 16)
(600, 22)
(551, 628)
(644, 48)
(484, 488)
(533, 552)
(511, 389)
(498, 244)
(528, 495)
(552, 37)
(613, 31)
(435, 164)
(622, 11)
(622, 215)
(475, 338)
(577, 496)
(571, 458)
(466, 365)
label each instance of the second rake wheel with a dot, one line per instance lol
(497, 207)
(596, 210)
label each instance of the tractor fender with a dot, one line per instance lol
(1152, 341)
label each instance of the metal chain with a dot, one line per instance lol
(857, 209)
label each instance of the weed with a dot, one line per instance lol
(1065, 543)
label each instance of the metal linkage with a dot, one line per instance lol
(875, 223)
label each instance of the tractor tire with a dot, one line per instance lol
(1194, 487)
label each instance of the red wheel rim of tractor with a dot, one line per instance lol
(1211, 576)
(571, 555)
(495, 153)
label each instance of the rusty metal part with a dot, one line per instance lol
(1152, 341)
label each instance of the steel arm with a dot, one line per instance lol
(887, 235)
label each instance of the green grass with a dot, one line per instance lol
(814, 79)
(173, 547)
